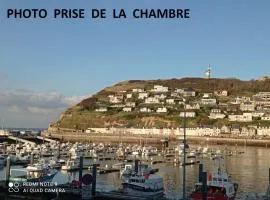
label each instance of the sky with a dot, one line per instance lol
(48, 65)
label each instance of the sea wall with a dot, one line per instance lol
(150, 139)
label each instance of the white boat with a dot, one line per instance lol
(149, 151)
(129, 170)
(126, 170)
(71, 165)
(205, 150)
(136, 153)
(147, 185)
(33, 173)
(76, 151)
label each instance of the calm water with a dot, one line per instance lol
(249, 170)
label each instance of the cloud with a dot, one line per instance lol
(71, 100)
(14, 109)
(37, 110)
(25, 107)
(26, 100)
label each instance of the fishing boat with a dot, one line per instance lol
(33, 173)
(129, 170)
(143, 185)
(219, 187)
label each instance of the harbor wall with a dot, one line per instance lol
(105, 138)
(150, 139)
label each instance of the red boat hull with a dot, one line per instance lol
(199, 196)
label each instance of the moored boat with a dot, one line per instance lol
(71, 165)
(139, 181)
(219, 187)
(148, 185)
(33, 173)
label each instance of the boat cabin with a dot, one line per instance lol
(136, 179)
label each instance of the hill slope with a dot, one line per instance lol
(83, 115)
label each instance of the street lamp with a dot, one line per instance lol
(184, 159)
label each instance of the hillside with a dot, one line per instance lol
(123, 105)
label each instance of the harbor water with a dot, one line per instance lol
(248, 168)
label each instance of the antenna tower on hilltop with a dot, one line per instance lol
(208, 72)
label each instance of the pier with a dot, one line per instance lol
(21, 140)
(46, 139)
(148, 139)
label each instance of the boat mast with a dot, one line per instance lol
(2, 124)
(184, 159)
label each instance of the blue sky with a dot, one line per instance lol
(75, 58)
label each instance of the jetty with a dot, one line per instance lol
(46, 139)
(21, 140)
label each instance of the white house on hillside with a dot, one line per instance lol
(221, 93)
(239, 100)
(137, 90)
(208, 101)
(129, 95)
(216, 114)
(248, 131)
(266, 117)
(247, 106)
(188, 114)
(162, 110)
(193, 106)
(262, 96)
(142, 95)
(101, 110)
(170, 101)
(246, 117)
(114, 99)
(207, 95)
(145, 109)
(187, 92)
(263, 131)
(151, 100)
(160, 88)
(258, 114)
(127, 109)
(225, 129)
(160, 96)
(131, 104)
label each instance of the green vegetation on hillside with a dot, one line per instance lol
(83, 115)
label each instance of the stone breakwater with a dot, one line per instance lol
(230, 141)
(146, 139)
(83, 137)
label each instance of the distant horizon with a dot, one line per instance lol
(17, 128)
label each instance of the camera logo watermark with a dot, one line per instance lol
(34, 187)
(13, 187)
